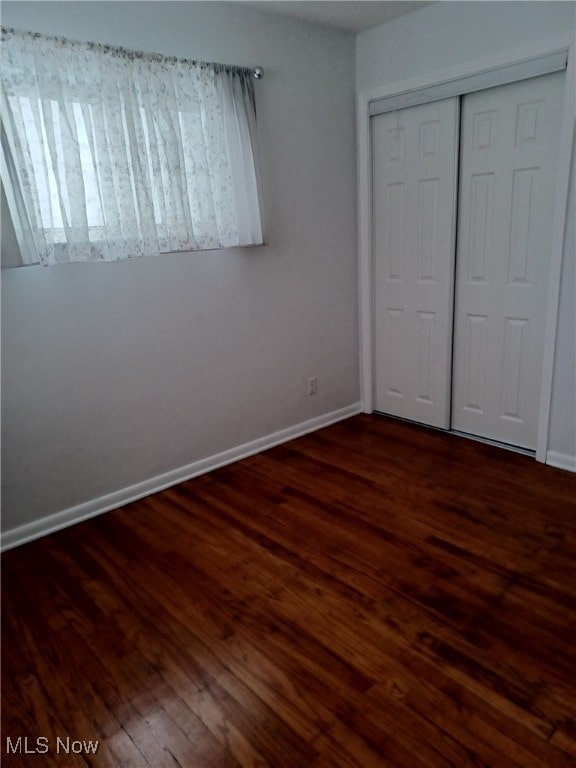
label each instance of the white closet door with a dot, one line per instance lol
(509, 140)
(414, 154)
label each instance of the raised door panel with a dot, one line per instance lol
(414, 172)
(509, 139)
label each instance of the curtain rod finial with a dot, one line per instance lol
(258, 73)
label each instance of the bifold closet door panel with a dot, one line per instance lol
(508, 166)
(414, 153)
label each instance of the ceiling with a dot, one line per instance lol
(348, 15)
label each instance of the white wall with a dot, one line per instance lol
(444, 36)
(116, 373)
(447, 34)
(563, 415)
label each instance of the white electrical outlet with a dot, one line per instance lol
(312, 385)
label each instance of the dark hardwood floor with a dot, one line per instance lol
(374, 594)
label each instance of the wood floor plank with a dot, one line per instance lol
(119, 749)
(373, 594)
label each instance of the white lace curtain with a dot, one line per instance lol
(113, 154)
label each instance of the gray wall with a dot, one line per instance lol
(445, 35)
(115, 373)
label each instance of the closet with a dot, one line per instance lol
(462, 214)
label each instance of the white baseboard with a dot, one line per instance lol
(561, 460)
(44, 526)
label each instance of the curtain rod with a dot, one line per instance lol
(116, 50)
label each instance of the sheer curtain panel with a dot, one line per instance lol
(111, 154)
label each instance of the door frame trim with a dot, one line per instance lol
(365, 262)
(556, 256)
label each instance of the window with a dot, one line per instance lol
(112, 154)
